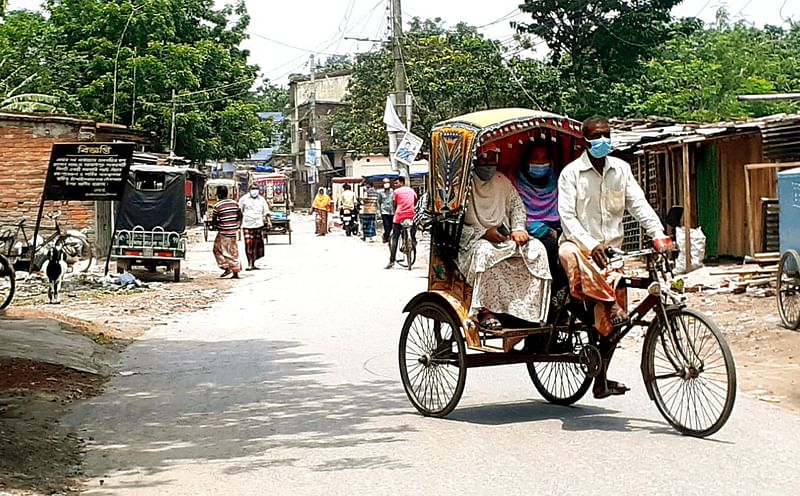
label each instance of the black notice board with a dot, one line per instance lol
(88, 171)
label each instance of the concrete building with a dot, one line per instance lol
(326, 95)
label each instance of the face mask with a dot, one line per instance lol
(386, 186)
(539, 170)
(485, 172)
(601, 147)
(254, 193)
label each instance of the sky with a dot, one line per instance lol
(284, 34)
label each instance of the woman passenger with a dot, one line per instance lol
(537, 184)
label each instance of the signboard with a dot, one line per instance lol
(408, 149)
(88, 171)
(312, 153)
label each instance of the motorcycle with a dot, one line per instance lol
(349, 221)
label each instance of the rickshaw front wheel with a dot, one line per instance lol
(689, 372)
(432, 360)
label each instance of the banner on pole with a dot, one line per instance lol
(312, 153)
(408, 148)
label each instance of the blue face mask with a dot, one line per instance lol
(538, 171)
(601, 147)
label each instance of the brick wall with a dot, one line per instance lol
(24, 157)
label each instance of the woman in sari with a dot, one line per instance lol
(322, 205)
(506, 268)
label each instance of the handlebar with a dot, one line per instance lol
(54, 215)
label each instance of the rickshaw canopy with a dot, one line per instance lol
(509, 133)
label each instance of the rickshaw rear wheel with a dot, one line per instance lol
(432, 360)
(8, 282)
(788, 289)
(560, 383)
(689, 372)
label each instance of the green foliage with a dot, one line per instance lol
(596, 43)
(699, 77)
(450, 72)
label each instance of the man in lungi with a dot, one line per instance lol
(255, 215)
(594, 192)
(226, 217)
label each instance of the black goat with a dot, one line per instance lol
(55, 267)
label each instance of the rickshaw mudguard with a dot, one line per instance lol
(448, 302)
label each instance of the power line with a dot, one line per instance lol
(514, 13)
(294, 47)
(748, 2)
(704, 7)
(780, 12)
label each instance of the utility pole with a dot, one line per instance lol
(312, 126)
(400, 83)
(172, 127)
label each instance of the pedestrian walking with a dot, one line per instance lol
(322, 206)
(386, 206)
(370, 214)
(226, 217)
(255, 215)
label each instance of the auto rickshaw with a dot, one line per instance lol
(151, 222)
(211, 200)
(687, 367)
(274, 187)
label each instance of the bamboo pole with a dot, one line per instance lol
(687, 208)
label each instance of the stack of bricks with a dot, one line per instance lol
(25, 145)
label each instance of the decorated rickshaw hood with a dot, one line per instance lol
(455, 143)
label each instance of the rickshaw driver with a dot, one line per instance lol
(507, 269)
(594, 191)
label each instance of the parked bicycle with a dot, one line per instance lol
(15, 245)
(8, 283)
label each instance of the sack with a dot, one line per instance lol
(698, 249)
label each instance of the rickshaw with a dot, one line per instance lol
(788, 278)
(211, 200)
(274, 187)
(686, 365)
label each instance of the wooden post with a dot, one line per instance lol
(751, 229)
(687, 208)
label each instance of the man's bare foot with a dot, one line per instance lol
(604, 388)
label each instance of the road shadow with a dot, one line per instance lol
(195, 402)
(573, 418)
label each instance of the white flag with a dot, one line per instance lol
(391, 119)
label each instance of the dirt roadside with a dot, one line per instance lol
(37, 455)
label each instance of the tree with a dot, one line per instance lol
(700, 77)
(595, 43)
(153, 49)
(450, 71)
(29, 65)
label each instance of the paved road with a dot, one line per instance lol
(290, 386)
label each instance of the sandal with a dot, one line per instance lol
(488, 321)
(613, 388)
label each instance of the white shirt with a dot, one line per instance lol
(348, 199)
(254, 210)
(591, 206)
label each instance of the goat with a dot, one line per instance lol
(55, 267)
